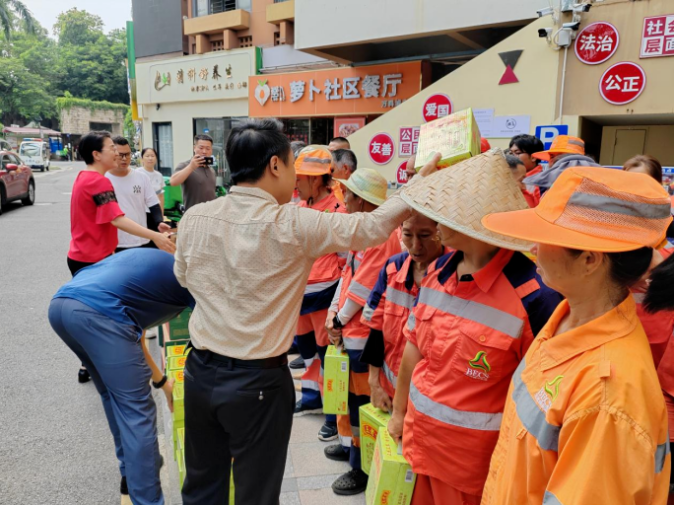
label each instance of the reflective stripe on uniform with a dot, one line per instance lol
(344, 441)
(390, 375)
(359, 290)
(532, 417)
(411, 322)
(318, 287)
(661, 456)
(473, 420)
(354, 344)
(368, 312)
(550, 499)
(474, 311)
(355, 430)
(312, 385)
(399, 297)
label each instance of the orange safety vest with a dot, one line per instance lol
(328, 268)
(585, 421)
(388, 310)
(358, 279)
(472, 333)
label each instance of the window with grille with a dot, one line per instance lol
(277, 39)
(229, 5)
(246, 41)
(217, 45)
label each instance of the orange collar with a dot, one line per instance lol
(616, 323)
(485, 277)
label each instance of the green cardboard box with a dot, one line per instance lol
(177, 375)
(176, 363)
(336, 381)
(175, 350)
(179, 326)
(177, 424)
(456, 137)
(372, 420)
(180, 459)
(178, 401)
(391, 478)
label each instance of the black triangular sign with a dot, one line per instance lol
(511, 57)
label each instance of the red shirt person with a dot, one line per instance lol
(95, 215)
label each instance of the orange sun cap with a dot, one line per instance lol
(593, 209)
(563, 144)
(314, 161)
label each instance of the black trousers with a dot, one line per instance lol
(244, 414)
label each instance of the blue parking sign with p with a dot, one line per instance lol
(548, 133)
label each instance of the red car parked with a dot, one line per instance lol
(16, 180)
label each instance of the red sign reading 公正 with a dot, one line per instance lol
(382, 148)
(401, 173)
(657, 37)
(596, 43)
(437, 106)
(622, 83)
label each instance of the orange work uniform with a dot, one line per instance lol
(585, 420)
(358, 279)
(387, 312)
(472, 333)
(312, 337)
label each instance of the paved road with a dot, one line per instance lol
(55, 446)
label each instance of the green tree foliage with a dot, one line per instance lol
(77, 27)
(35, 69)
(14, 14)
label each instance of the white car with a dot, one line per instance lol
(35, 154)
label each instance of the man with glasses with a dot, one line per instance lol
(135, 194)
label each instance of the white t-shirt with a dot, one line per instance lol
(134, 195)
(156, 178)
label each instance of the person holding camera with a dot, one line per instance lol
(197, 176)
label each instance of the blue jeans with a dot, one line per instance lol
(112, 353)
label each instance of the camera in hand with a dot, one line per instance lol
(208, 160)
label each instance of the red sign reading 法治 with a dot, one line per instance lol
(596, 43)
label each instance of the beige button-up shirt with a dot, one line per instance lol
(246, 260)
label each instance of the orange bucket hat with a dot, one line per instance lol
(563, 144)
(314, 161)
(593, 209)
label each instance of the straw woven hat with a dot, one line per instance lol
(368, 184)
(460, 196)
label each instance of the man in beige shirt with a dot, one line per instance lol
(246, 259)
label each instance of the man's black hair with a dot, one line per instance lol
(527, 143)
(340, 139)
(345, 157)
(251, 145)
(92, 141)
(203, 136)
(120, 141)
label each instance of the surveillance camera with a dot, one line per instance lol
(544, 32)
(582, 8)
(575, 26)
(545, 12)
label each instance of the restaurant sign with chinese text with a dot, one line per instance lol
(343, 91)
(211, 77)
